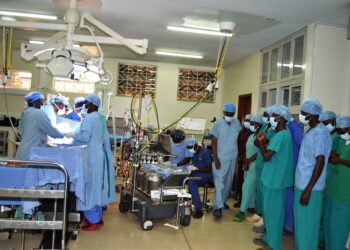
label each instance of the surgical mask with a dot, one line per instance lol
(60, 111)
(252, 129)
(302, 119)
(83, 111)
(246, 125)
(330, 127)
(273, 122)
(345, 136)
(228, 118)
(192, 151)
(265, 120)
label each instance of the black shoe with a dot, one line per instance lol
(217, 213)
(226, 207)
(237, 205)
(198, 214)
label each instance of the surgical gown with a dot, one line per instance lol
(34, 128)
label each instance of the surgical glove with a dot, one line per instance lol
(192, 168)
(69, 134)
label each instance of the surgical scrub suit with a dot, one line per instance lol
(201, 159)
(316, 142)
(276, 177)
(74, 116)
(226, 134)
(249, 184)
(92, 133)
(259, 165)
(337, 209)
(34, 128)
(181, 152)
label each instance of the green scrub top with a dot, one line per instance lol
(251, 150)
(278, 171)
(260, 159)
(335, 140)
(339, 181)
(331, 167)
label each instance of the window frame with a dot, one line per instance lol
(54, 79)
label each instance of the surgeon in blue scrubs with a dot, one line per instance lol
(310, 176)
(76, 113)
(93, 133)
(202, 161)
(224, 144)
(34, 126)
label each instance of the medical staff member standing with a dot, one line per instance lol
(202, 160)
(76, 113)
(224, 144)
(34, 126)
(249, 184)
(337, 209)
(276, 177)
(92, 133)
(310, 176)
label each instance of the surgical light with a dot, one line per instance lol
(24, 14)
(167, 53)
(199, 31)
(60, 65)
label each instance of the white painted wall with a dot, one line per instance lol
(167, 80)
(242, 78)
(328, 64)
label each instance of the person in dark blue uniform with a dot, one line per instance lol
(201, 161)
(76, 113)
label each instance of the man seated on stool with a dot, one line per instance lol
(202, 161)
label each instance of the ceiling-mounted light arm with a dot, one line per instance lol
(82, 25)
(86, 16)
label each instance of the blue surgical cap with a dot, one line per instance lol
(268, 110)
(33, 96)
(79, 102)
(327, 115)
(94, 99)
(229, 107)
(343, 122)
(282, 111)
(311, 106)
(59, 99)
(248, 117)
(257, 119)
(190, 142)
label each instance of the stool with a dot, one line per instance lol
(207, 206)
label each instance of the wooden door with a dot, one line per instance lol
(244, 106)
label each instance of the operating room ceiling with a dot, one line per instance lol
(259, 23)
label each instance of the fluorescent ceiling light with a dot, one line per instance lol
(199, 31)
(7, 18)
(166, 53)
(24, 14)
(36, 42)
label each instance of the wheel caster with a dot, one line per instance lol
(185, 220)
(147, 225)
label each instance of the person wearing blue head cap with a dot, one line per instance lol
(224, 144)
(297, 136)
(76, 113)
(276, 177)
(241, 142)
(269, 132)
(93, 132)
(59, 105)
(34, 126)
(201, 161)
(310, 176)
(249, 184)
(337, 208)
(328, 118)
